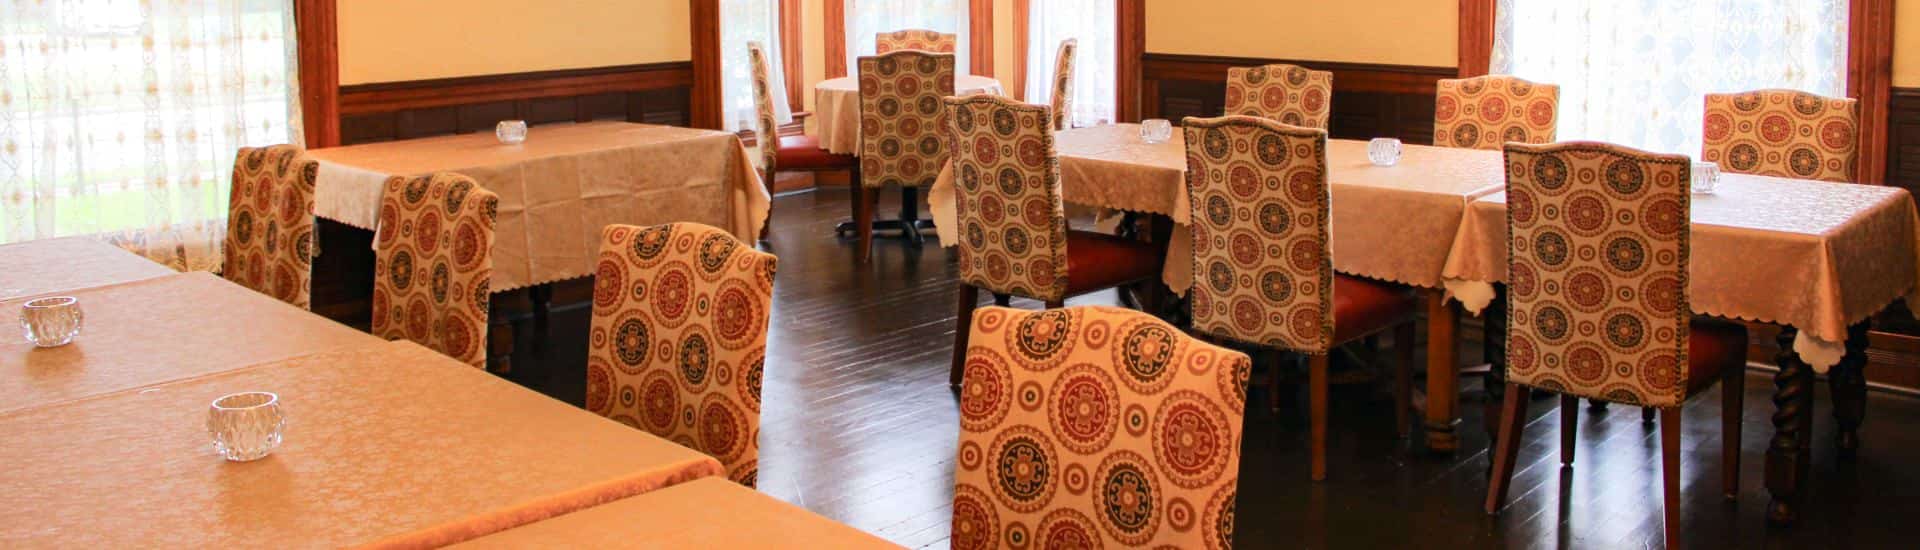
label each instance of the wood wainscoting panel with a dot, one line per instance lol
(654, 93)
(1369, 100)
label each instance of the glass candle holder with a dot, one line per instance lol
(1156, 130)
(52, 321)
(1383, 151)
(245, 426)
(511, 132)
(1706, 175)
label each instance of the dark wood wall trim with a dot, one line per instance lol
(1476, 37)
(1870, 80)
(439, 92)
(656, 93)
(1022, 12)
(317, 46)
(793, 49)
(1129, 76)
(833, 30)
(1369, 100)
(1903, 139)
(980, 37)
(704, 16)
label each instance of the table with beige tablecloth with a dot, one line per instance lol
(386, 445)
(708, 513)
(561, 186)
(53, 265)
(836, 109)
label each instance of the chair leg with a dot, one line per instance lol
(1733, 389)
(1274, 367)
(1569, 427)
(1056, 304)
(1002, 300)
(963, 324)
(1646, 415)
(1670, 472)
(1513, 421)
(1317, 411)
(1403, 380)
(865, 201)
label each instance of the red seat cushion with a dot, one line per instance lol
(1713, 347)
(1362, 306)
(803, 153)
(1098, 260)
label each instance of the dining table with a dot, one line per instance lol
(46, 266)
(706, 513)
(836, 108)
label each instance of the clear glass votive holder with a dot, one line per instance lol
(1706, 175)
(1383, 151)
(511, 132)
(245, 426)
(1156, 130)
(52, 321)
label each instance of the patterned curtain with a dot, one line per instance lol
(119, 119)
(743, 21)
(1051, 22)
(866, 18)
(1635, 72)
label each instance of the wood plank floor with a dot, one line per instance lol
(859, 426)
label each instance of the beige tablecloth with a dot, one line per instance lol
(1816, 256)
(1393, 223)
(708, 513)
(560, 187)
(53, 265)
(157, 330)
(836, 109)
(390, 445)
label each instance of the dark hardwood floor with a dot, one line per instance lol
(859, 426)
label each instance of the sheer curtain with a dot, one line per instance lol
(866, 18)
(1051, 22)
(743, 21)
(119, 119)
(1635, 72)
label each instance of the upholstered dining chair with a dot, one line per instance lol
(901, 144)
(914, 39)
(1486, 112)
(270, 232)
(1263, 264)
(1013, 225)
(679, 338)
(433, 261)
(1063, 66)
(1784, 133)
(1288, 93)
(1090, 427)
(1597, 302)
(795, 153)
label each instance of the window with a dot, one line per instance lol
(120, 118)
(743, 21)
(866, 18)
(1091, 22)
(1636, 72)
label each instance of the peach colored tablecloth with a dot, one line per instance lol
(1817, 256)
(387, 445)
(157, 330)
(708, 513)
(53, 265)
(1394, 223)
(836, 109)
(560, 187)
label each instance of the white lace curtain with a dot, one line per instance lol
(1092, 23)
(119, 119)
(743, 21)
(866, 18)
(1635, 72)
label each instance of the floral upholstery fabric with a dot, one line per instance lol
(1013, 223)
(1090, 427)
(433, 261)
(1783, 133)
(1260, 212)
(270, 232)
(766, 132)
(1287, 93)
(902, 121)
(1486, 112)
(914, 39)
(1597, 285)
(679, 338)
(1063, 64)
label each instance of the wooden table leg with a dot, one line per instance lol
(1848, 380)
(1787, 455)
(1443, 375)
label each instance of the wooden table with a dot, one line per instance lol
(708, 513)
(388, 445)
(53, 265)
(836, 108)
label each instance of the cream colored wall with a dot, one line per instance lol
(393, 40)
(1395, 32)
(1906, 43)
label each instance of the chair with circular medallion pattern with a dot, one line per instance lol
(433, 261)
(270, 241)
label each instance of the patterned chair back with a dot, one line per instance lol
(1260, 238)
(270, 232)
(1085, 427)
(1784, 133)
(1013, 223)
(1597, 271)
(1291, 94)
(914, 39)
(679, 338)
(902, 121)
(433, 261)
(1063, 65)
(765, 131)
(1486, 112)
